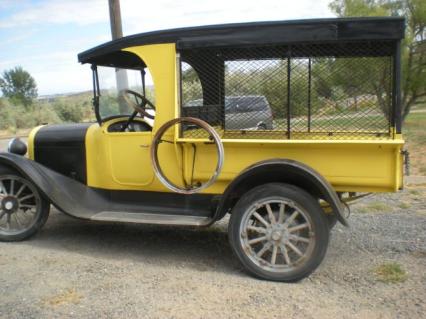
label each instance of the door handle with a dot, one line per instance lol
(144, 145)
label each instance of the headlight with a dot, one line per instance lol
(16, 146)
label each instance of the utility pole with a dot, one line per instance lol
(117, 32)
(115, 19)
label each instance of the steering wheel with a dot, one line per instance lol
(213, 137)
(138, 108)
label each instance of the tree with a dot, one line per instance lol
(19, 86)
(413, 48)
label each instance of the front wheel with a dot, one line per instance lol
(23, 211)
(278, 232)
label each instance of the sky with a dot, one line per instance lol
(45, 36)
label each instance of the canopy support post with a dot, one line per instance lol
(396, 89)
(309, 93)
(288, 94)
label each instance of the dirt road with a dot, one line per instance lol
(79, 269)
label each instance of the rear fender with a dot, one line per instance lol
(282, 171)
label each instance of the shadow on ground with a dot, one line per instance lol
(201, 248)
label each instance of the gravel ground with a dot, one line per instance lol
(74, 268)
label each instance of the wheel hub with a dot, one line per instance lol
(276, 235)
(10, 204)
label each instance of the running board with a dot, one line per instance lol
(146, 218)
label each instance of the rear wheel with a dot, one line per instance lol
(23, 211)
(279, 232)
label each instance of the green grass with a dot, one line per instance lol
(376, 123)
(390, 272)
(373, 207)
(419, 107)
(414, 192)
(404, 205)
(337, 122)
(378, 207)
(415, 135)
(362, 209)
(414, 128)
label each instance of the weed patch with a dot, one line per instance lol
(391, 272)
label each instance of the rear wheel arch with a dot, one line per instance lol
(281, 171)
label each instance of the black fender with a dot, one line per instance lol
(66, 194)
(281, 171)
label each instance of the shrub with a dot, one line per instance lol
(6, 117)
(23, 119)
(17, 116)
(43, 113)
(68, 111)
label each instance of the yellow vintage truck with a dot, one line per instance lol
(278, 124)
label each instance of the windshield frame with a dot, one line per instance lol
(97, 93)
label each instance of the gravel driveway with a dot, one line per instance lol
(74, 268)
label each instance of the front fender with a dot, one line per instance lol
(282, 171)
(68, 195)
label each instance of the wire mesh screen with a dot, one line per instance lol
(333, 91)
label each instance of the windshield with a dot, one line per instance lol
(112, 83)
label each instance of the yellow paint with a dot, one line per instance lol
(31, 141)
(132, 167)
(161, 62)
(121, 160)
(117, 158)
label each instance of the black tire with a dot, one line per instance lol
(35, 216)
(311, 210)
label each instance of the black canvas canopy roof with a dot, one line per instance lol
(258, 33)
